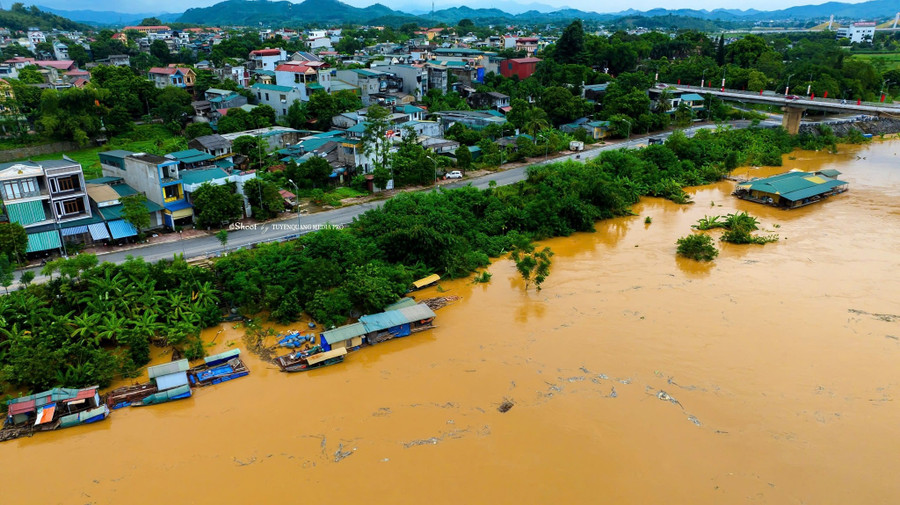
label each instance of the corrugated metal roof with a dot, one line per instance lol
(43, 241)
(384, 320)
(344, 333)
(22, 407)
(691, 97)
(426, 281)
(121, 229)
(812, 191)
(323, 356)
(26, 213)
(167, 368)
(123, 189)
(201, 175)
(75, 230)
(223, 355)
(403, 302)
(98, 231)
(179, 205)
(172, 380)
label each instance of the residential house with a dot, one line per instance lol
(106, 194)
(224, 99)
(490, 100)
(471, 119)
(279, 98)
(181, 77)
(118, 60)
(43, 197)
(156, 177)
(267, 59)
(301, 76)
(60, 51)
(520, 67)
(370, 82)
(595, 129)
(214, 145)
(35, 37)
(415, 79)
(527, 44)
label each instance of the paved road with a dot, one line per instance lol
(287, 229)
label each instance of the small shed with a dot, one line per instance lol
(170, 375)
(350, 336)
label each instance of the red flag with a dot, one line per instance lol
(826, 95)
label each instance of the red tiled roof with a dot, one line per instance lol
(163, 70)
(72, 73)
(288, 67)
(525, 60)
(80, 82)
(57, 64)
(266, 52)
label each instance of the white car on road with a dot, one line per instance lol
(456, 174)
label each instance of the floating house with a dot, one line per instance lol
(375, 328)
(53, 409)
(792, 189)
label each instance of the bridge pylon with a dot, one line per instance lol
(791, 119)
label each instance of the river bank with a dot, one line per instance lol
(779, 362)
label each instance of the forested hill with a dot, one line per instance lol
(21, 18)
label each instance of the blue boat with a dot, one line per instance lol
(217, 369)
(294, 339)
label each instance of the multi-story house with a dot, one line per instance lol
(370, 82)
(415, 79)
(43, 197)
(279, 98)
(267, 59)
(181, 77)
(158, 178)
(216, 146)
(35, 37)
(224, 99)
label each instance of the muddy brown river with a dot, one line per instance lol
(767, 376)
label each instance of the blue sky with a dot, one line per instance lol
(408, 5)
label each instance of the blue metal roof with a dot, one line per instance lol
(98, 231)
(121, 229)
(691, 97)
(392, 318)
(179, 205)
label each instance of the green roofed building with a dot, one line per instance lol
(792, 189)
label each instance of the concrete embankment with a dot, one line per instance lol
(875, 126)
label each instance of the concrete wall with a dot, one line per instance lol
(26, 152)
(875, 126)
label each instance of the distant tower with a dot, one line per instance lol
(432, 12)
(830, 22)
(896, 20)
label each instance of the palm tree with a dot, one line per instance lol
(663, 103)
(535, 121)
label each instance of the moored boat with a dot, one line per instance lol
(53, 409)
(177, 393)
(218, 368)
(309, 360)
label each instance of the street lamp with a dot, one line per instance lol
(432, 160)
(546, 144)
(788, 87)
(703, 78)
(297, 200)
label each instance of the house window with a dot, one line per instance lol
(283, 112)
(66, 184)
(171, 192)
(20, 189)
(71, 206)
(283, 98)
(259, 95)
(267, 97)
(296, 77)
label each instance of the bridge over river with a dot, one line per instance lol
(793, 105)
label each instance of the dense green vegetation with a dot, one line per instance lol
(697, 247)
(19, 17)
(92, 323)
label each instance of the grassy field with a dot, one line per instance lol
(881, 61)
(154, 139)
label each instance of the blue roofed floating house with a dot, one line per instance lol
(792, 189)
(376, 328)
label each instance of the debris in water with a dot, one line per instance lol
(583, 369)
(662, 395)
(505, 406)
(340, 454)
(613, 394)
(427, 441)
(383, 411)
(245, 463)
(890, 318)
(694, 420)
(439, 302)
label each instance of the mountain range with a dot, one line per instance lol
(278, 13)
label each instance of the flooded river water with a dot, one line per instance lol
(767, 376)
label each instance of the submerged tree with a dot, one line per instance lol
(533, 265)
